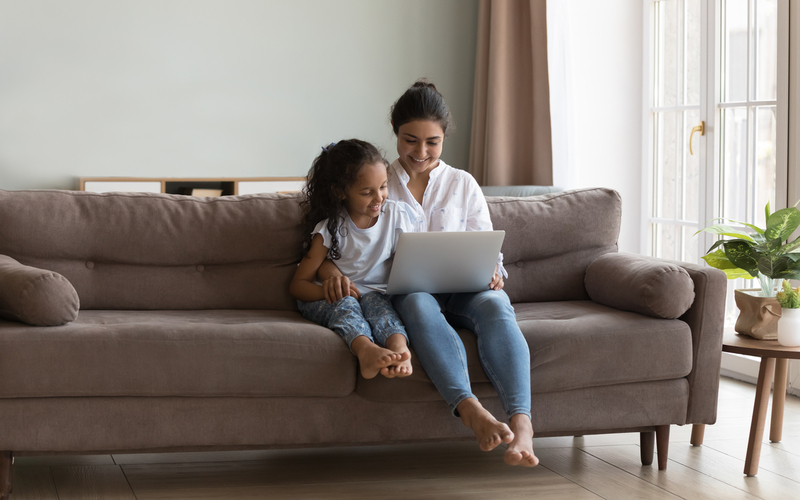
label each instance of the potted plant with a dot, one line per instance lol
(789, 324)
(763, 254)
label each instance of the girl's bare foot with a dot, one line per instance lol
(371, 357)
(520, 449)
(488, 431)
(402, 367)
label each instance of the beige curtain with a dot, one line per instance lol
(511, 110)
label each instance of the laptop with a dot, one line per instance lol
(443, 262)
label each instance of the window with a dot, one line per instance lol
(715, 63)
(674, 103)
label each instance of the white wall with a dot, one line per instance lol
(602, 96)
(255, 87)
(216, 87)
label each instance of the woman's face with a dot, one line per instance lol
(419, 144)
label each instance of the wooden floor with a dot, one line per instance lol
(571, 468)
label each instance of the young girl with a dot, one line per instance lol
(350, 221)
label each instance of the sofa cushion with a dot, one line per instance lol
(551, 240)
(159, 251)
(640, 284)
(175, 353)
(35, 296)
(573, 345)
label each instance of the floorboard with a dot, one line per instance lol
(728, 469)
(599, 477)
(678, 479)
(33, 483)
(93, 482)
(773, 458)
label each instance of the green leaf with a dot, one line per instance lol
(724, 230)
(738, 240)
(790, 274)
(791, 247)
(766, 211)
(769, 247)
(715, 245)
(774, 267)
(742, 255)
(751, 226)
(718, 260)
(782, 224)
(736, 273)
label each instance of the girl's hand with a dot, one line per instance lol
(497, 282)
(337, 287)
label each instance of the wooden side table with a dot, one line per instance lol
(774, 357)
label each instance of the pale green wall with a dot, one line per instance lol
(216, 87)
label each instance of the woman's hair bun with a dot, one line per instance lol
(423, 83)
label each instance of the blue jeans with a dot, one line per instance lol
(373, 317)
(502, 349)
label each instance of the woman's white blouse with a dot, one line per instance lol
(453, 201)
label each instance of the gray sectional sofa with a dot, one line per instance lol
(141, 323)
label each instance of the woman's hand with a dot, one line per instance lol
(337, 287)
(497, 282)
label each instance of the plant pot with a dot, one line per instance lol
(789, 328)
(758, 316)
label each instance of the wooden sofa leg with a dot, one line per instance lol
(5, 474)
(662, 445)
(698, 432)
(646, 442)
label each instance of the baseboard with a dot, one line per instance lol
(738, 376)
(792, 388)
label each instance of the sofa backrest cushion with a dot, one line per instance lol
(551, 240)
(156, 251)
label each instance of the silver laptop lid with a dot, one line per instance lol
(444, 262)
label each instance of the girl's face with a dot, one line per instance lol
(365, 197)
(419, 144)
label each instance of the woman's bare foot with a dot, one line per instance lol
(371, 357)
(488, 431)
(402, 367)
(520, 449)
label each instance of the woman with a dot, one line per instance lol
(448, 199)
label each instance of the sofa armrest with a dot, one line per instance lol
(704, 315)
(35, 296)
(706, 318)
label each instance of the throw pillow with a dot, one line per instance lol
(35, 296)
(640, 284)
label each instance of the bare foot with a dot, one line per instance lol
(488, 431)
(520, 449)
(371, 357)
(402, 367)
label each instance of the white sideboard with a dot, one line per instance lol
(176, 185)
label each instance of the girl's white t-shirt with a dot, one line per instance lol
(453, 201)
(366, 254)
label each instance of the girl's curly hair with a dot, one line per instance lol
(330, 176)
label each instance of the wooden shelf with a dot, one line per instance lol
(173, 185)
